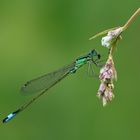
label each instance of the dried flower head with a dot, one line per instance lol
(107, 75)
(108, 72)
(111, 36)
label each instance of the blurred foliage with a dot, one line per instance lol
(39, 36)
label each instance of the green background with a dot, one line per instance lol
(39, 36)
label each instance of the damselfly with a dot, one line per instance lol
(45, 82)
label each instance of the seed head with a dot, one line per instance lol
(107, 75)
(111, 37)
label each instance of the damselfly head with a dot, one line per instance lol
(94, 53)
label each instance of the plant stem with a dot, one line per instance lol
(127, 24)
(112, 49)
(132, 18)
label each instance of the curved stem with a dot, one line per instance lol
(127, 24)
(132, 18)
(111, 51)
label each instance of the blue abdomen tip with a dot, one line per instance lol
(9, 117)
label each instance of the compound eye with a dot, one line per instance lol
(99, 56)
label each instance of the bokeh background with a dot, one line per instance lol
(39, 36)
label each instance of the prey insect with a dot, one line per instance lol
(44, 83)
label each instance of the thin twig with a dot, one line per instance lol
(127, 24)
(132, 18)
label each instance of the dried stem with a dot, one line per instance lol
(132, 18)
(114, 45)
(127, 24)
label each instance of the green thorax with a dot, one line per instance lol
(79, 63)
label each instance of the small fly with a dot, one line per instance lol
(44, 83)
